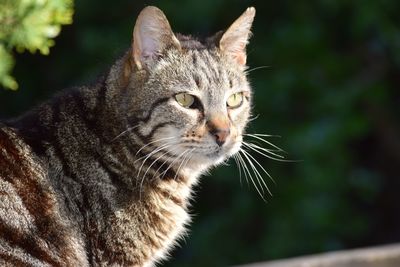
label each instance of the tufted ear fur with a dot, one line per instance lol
(233, 42)
(152, 34)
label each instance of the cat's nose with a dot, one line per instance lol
(219, 128)
(220, 135)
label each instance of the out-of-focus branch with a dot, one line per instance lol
(29, 25)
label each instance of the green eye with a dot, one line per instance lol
(184, 99)
(235, 100)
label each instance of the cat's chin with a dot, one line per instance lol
(199, 165)
(201, 162)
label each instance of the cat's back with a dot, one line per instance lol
(16, 159)
(32, 231)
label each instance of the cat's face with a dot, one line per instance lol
(195, 100)
(206, 108)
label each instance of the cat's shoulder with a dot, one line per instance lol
(16, 157)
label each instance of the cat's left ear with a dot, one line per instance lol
(233, 42)
(152, 35)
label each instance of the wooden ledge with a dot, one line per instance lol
(382, 256)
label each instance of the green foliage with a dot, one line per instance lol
(29, 25)
(6, 65)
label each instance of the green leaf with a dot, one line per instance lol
(29, 25)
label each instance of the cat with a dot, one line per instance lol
(102, 175)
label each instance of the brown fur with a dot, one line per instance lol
(102, 175)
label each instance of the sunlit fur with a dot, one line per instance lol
(102, 175)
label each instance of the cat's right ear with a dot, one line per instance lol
(151, 36)
(233, 42)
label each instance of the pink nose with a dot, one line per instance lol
(220, 134)
(219, 128)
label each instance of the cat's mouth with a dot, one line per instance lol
(213, 154)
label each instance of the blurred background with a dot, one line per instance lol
(330, 91)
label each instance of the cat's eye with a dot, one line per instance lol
(235, 100)
(185, 100)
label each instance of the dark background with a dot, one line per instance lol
(330, 91)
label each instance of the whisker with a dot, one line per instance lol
(150, 154)
(267, 156)
(254, 118)
(262, 168)
(141, 166)
(256, 172)
(267, 135)
(257, 149)
(154, 161)
(156, 149)
(172, 163)
(165, 161)
(240, 160)
(251, 177)
(190, 157)
(239, 168)
(265, 141)
(267, 150)
(187, 161)
(183, 160)
(152, 142)
(276, 151)
(127, 130)
(257, 68)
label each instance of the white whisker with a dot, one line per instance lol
(165, 161)
(262, 168)
(183, 160)
(257, 149)
(251, 177)
(240, 160)
(152, 142)
(150, 154)
(172, 163)
(239, 168)
(267, 135)
(256, 172)
(156, 149)
(127, 130)
(254, 118)
(256, 68)
(265, 141)
(265, 171)
(154, 161)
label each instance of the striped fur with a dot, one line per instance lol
(102, 175)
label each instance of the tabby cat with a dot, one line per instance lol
(102, 175)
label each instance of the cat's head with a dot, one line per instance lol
(187, 97)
